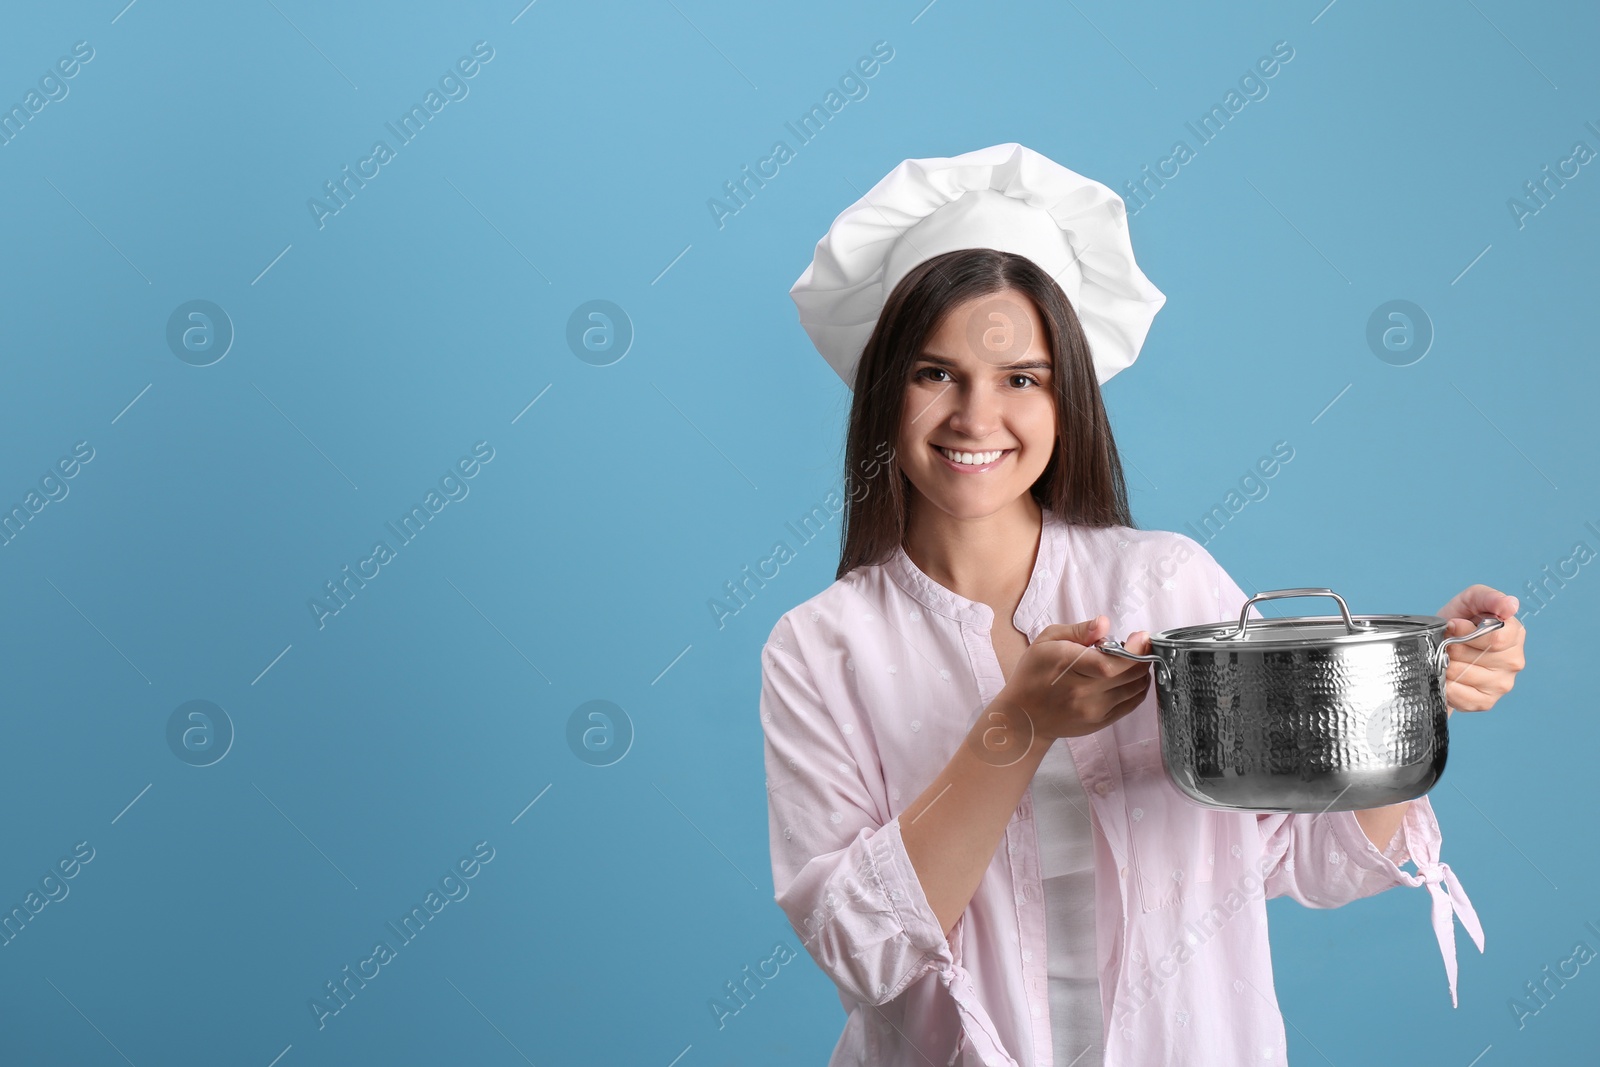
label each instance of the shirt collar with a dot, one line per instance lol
(1031, 609)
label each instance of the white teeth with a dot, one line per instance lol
(971, 459)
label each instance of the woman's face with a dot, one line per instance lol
(981, 385)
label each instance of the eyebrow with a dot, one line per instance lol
(1027, 364)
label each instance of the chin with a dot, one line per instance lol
(975, 504)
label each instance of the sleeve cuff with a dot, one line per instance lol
(900, 885)
(1381, 865)
(1419, 830)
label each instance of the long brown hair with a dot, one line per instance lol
(1083, 481)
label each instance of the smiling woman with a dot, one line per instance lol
(982, 888)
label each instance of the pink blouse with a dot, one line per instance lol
(868, 687)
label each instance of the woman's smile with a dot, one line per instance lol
(972, 462)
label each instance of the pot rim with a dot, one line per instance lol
(1277, 634)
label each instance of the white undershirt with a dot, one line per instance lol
(1066, 862)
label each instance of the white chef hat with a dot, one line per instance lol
(1006, 197)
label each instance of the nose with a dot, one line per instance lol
(977, 410)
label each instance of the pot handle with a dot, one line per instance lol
(1111, 646)
(1275, 594)
(1487, 624)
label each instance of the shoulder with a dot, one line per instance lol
(1131, 549)
(829, 611)
(1148, 576)
(824, 630)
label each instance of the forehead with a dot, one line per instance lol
(1003, 330)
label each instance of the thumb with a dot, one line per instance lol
(1086, 632)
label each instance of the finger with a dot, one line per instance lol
(1487, 598)
(1139, 644)
(1484, 598)
(1085, 660)
(1088, 659)
(1084, 632)
(1123, 708)
(1501, 637)
(1488, 681)
(1512, 635)
(1471, 654)
(1122, 669)
(1510, 632)
(1467, 698)
(1502, 604)
(1137, 687)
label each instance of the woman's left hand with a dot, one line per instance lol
(1479, 672)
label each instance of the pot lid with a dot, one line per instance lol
(1304, 631)
(1301, 631)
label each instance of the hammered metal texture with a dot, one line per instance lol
(1334, 728)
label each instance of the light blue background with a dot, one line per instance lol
(371, 754)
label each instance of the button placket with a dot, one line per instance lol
(1022, 844)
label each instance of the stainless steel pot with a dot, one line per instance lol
(1312, 713)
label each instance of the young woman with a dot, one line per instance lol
(972, 888)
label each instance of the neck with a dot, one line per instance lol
(987, 559)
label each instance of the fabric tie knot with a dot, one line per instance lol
(975, 1021)
(1448, 895)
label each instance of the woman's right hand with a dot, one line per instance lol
(1067, 688)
